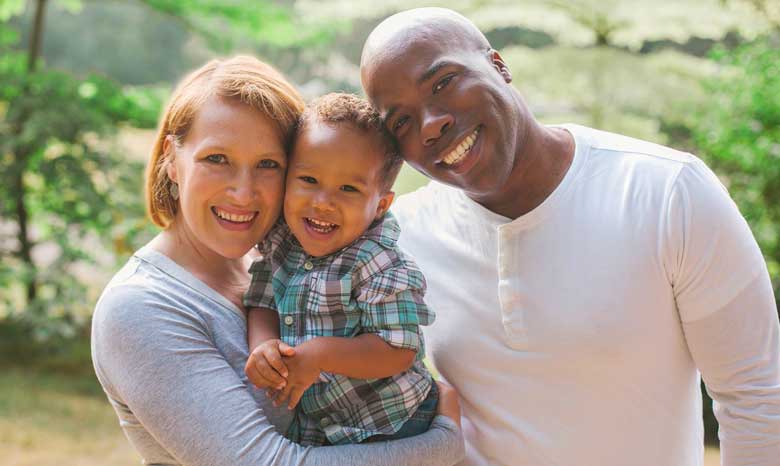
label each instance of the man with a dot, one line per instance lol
(581, 279)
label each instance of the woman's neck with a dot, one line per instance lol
(227, 276)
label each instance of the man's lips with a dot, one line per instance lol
(458, 151)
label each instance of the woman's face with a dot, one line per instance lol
(230, 170)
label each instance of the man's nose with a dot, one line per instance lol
(434, 124)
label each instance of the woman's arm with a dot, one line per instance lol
(159, 364)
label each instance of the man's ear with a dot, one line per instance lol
(384, 203)
(500, 65)
(169, 147)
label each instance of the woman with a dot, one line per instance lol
(169, 331)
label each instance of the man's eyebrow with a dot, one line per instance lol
(429, 73)
(433, 70)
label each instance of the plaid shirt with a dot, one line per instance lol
(367, 287)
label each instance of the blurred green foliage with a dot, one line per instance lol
(69, 199)
(738, 133)
(58, 165)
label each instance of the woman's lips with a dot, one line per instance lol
(235, 220)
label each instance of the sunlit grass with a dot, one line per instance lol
(57, 419)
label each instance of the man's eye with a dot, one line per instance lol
(216, 158)
(308, 179)
(268, 163)
(442, 83)
(349, 188)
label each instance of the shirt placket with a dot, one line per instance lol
(511, 300)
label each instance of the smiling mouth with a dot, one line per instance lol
(233, 218)
(459, 153)
(320, 226)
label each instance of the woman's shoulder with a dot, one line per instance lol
(147, 285)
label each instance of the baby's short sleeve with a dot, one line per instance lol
(391, 301)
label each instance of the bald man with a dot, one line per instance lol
(582, 280)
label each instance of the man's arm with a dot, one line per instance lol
(727, 308)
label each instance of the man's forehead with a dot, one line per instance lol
(397, 75)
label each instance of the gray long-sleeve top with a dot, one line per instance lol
(170, 354)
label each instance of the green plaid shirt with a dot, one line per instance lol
(369, 286)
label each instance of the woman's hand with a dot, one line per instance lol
(448, 402)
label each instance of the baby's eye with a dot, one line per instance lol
(268, 163)
(216, 158)
(349, 188)
(308, 179)
(399, 123)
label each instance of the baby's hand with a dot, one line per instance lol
(304, 371)
(265, 367)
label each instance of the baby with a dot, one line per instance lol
(335, 306)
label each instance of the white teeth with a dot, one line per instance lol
(457, 154)
(233, 217)
(320, 226)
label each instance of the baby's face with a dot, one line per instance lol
(333, 191)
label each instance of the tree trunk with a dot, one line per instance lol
(22, 158)
(36, 35)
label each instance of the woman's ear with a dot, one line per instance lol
(384, 203)
(169, 148)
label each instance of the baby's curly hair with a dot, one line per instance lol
(339, 108)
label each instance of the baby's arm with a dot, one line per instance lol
(392, 310)
(365, 356)
(265, 367)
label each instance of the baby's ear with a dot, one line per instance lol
(384, 203)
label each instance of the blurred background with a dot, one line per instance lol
(82, 83)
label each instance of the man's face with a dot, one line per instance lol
(451, 110)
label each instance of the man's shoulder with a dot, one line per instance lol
(605, 143)
(425, 201)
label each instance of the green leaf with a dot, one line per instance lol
(10, 8)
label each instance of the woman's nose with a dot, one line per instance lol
(243, 188)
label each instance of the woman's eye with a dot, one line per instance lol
(442, 83)
(349, 188)
(216, 158)
(308, 179)
(268, 163)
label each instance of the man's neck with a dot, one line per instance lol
(548, 154)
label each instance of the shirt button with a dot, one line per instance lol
(288, 320)
(308, 265)
(324, 422)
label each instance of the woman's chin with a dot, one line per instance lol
(235, 250)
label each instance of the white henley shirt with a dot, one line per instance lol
(575, 334)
